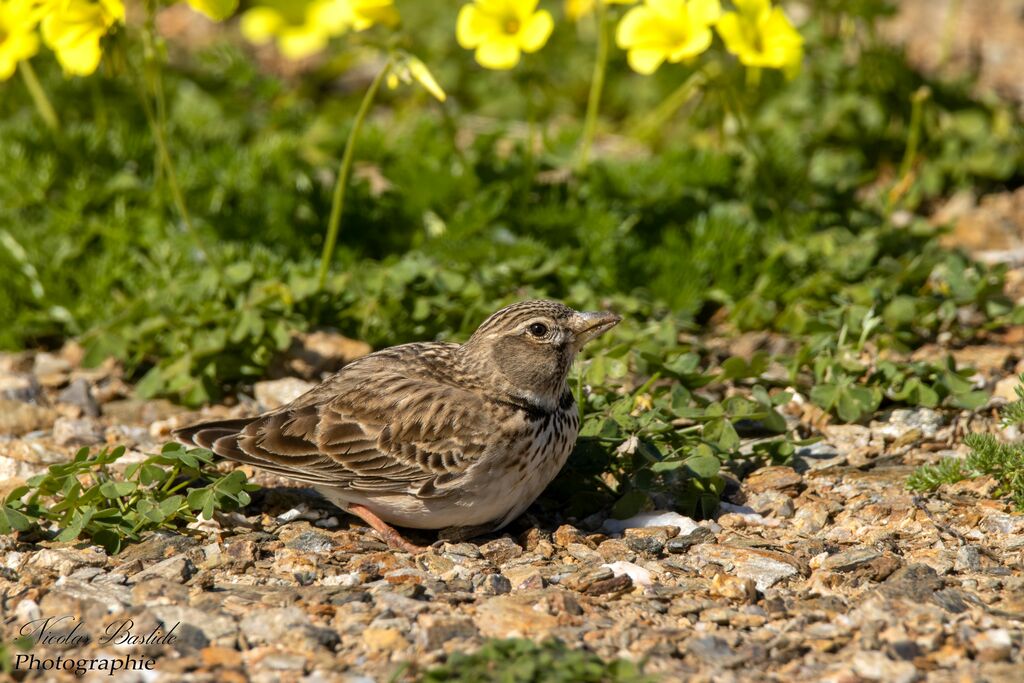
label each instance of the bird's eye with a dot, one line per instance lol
(538, 329)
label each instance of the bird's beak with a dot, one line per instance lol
(587, 326)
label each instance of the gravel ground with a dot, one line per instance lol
(826, 570)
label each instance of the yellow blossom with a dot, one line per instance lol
(217, 10)
(499, 30)
(672, 30)
(293, 24)
(303, 28)
(408, 69)
(339, 16)
(761, 36)
(73, 30)
(18, 39)
(577, 9)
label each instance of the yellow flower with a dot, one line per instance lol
(660, 30)
(761, 36)
(218, 10)
(303, 28)
(577, 9)
(339, 16)
(293, 24)
(18, 39)
(499, 30)
(408, 69)
(73, 30)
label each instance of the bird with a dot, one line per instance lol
(430, 435)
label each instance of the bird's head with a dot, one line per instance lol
(530, 346)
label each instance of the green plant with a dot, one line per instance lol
(656, 423)
(523, 661)
(988, 457)
(84, 498)
(847, 378)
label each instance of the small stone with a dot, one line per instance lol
(18, 419)
(848, 560)
(64, 561)
(530, 614)
(714, 651)
(214, 656)
(524, 577)
(501, 550)
(774, 478)
(312, 542)
(50, 369)
(994, 645)
(79, 394)
(876, 666)
(734, 588)
(176, 569)
(649, 540)
(638, 575)
(902, 420)
(764, 567)
(284, 626)
(810, 518)
(312, 355)
(20, 387)
(492, 584)
(198, 628)
(384, 639)
(662, 518)
(275, 393)
(681, 544)
(567, 535)
(968, 559)
(435, 631)
(77, 432)
(614, 550)
(583, 553)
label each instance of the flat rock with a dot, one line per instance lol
(275, 393)
(848, 560)
(18, 418)
(764, 567)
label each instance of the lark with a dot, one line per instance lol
(430, 435)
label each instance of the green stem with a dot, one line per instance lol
(596, 85)
(653, 122)
(39, 98)
(338, 199)
(151, 78)
(917, 101)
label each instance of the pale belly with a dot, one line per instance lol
(496, 490)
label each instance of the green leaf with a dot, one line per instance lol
(116, 489)
(703, 465)
(629, 504)
(13, 519)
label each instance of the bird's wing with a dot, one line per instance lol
(384, 432)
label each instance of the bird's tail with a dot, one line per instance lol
(219, 436)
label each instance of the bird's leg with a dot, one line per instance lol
(388, 533)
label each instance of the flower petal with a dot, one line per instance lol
(695, 44)
(645, 61)
(536, 31)
(704, 11)
(301, 42)
(217, 10)
(731, 32)
(473, 27)
(498, 53)
(259, 24)
(639, 26)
